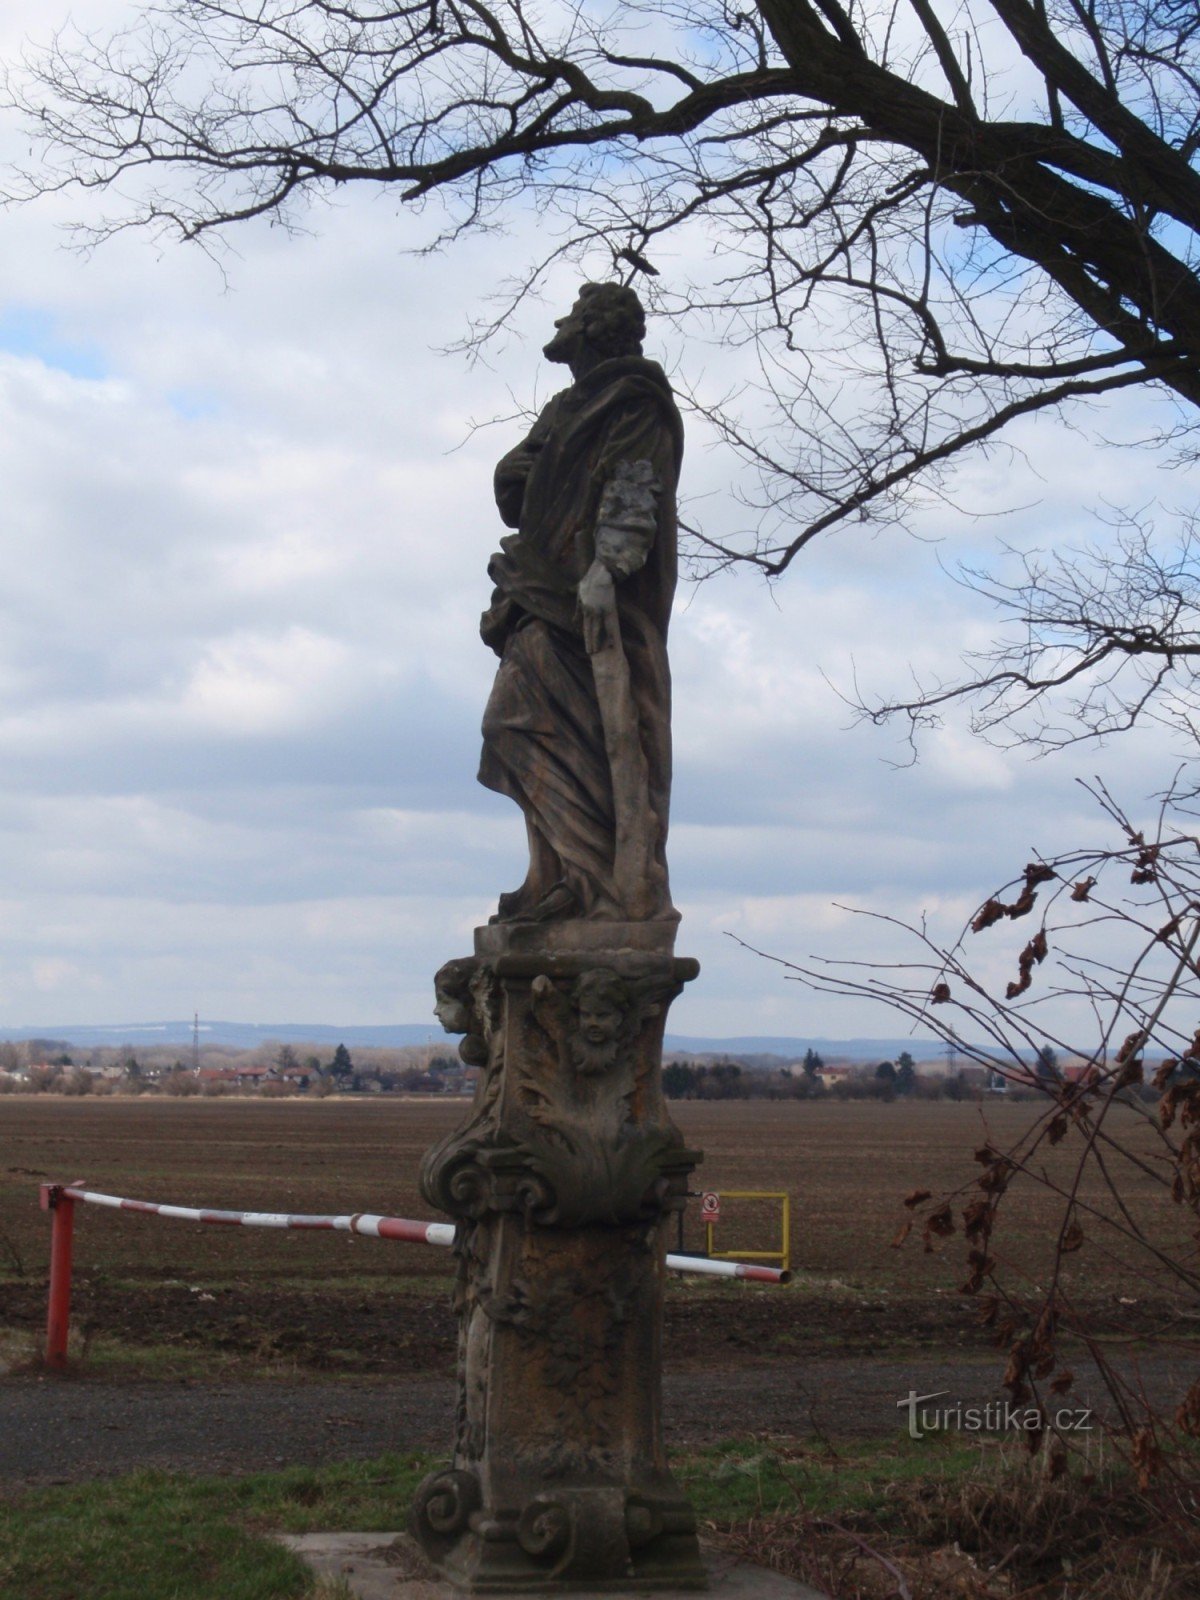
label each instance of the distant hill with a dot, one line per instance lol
(791, 1049)
(238, 1035)
(246, 1035)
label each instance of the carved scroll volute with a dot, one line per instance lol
(442, 1508)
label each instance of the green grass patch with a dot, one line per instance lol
(734, 1480)
(168, 1536)
(164, 1536)
(117, 1358)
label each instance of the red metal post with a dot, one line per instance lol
(58, 1314)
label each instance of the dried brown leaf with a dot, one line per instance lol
(1133, 1043)
(990, 912)
(1164, 1072)
(1131, 1072)
(977, 1220)
(1187, 1417)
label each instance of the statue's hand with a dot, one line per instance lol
(598, 604)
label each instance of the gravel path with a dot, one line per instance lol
(55, 1430)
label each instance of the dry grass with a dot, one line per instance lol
(1004, 1530)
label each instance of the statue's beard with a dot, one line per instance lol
(590, 1060)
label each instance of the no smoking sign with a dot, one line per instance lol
(710, 1206)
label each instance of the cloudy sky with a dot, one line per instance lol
(246, 520)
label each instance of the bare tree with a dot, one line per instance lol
(1091, 641)
(951, 215)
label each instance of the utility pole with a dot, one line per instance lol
(196, 1044)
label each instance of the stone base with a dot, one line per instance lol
(568, 1539)
(564, 1182)
(389, 1566)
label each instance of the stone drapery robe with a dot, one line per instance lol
(543, 739)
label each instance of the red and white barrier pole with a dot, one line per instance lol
(61, 1199)
(364, 1222)
(708, 1267)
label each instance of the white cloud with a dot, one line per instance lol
(254, 685)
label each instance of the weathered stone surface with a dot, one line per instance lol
(562, 1180)
(564, 1176)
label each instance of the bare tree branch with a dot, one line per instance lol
(916, 264)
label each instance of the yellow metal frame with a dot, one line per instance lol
(783, 1255)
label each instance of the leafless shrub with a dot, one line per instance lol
(1104, 978)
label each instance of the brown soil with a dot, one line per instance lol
(335, 1329)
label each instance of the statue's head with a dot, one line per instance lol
(452, 996)
(601, 1001)
(606, 320)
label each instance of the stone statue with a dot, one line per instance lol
(566, 1172)
(577, 730)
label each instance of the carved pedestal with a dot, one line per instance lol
(562, 1181)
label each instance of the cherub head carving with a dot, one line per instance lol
(453, 1006)
(456, 1008)
(601, 1002)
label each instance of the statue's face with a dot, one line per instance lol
(596, 1039)
(452, 1013)
(599, 1020)
(569, 341)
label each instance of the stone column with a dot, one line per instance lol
(562, 1182)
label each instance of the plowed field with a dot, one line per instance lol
(334, 1303)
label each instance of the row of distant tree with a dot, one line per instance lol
(45, 1066)
(887, 1080)
(728, 1080)
(52, 1067)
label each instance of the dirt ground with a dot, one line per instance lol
(363, 1329)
